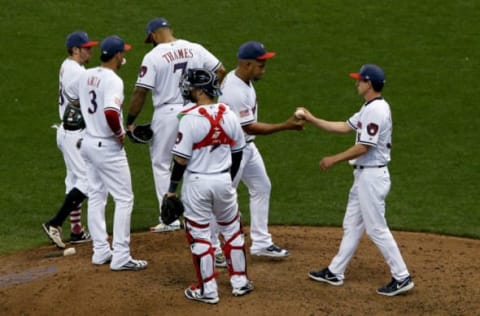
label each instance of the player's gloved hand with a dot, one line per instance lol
(140, 134)
(172, 208)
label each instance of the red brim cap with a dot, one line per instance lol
(266, 56)
(355, 75)
(90, 44)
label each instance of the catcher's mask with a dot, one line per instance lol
(198, 78)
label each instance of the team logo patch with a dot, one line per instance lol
(179, 138)
(143, 71)
(372, 129)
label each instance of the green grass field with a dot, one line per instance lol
(429, 51)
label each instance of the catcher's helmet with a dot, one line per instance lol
(199, 78)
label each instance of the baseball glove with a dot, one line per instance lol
(172, 209)
(141, 134)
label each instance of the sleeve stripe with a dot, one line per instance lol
(179, 154)
(217, 66)
(367, 143)
(112, 108)
(238, 149)
(247, 122)
(351, 125)
(144, 86)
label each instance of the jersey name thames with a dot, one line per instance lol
(181, 53)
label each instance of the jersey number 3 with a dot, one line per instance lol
(93, 102)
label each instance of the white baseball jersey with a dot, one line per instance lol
(242, 99)
(98, 89)
(366, 200)
(164, 65)
(207, 140)
(70, 70)
(373, 124)
(193, 128)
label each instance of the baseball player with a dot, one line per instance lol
(100, 93)
(208, 151)
(239, 93)
(160, 73)
(69, 133)
(369, 157)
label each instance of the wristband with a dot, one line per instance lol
(130, 119)
(173, 187)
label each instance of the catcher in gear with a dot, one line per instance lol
(141, 134)
(207, 155)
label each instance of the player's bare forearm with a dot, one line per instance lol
(353, 152)
(331, 127)
(136, 104)
(328, 126)
(261, 128)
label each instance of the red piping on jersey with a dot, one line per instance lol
(216, 136)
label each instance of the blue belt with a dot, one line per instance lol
(222, 171)
(365, 167)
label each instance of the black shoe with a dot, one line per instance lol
(84, 236)
(396, 287)
(325, 275)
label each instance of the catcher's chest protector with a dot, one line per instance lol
(216, 136)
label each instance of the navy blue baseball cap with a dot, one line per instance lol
(369, 72)
(254, 50)
(154, 25)
(112, 45)
(79, 39)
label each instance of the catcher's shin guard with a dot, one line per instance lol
(234, 246)
(203, 256)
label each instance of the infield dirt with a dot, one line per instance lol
(445, 271)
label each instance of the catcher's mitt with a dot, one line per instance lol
(172, 208)
(141, 134)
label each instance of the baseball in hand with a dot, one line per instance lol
(69, 252)
(300, 114)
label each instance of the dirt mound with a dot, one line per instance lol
(444, 269)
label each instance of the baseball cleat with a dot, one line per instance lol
(240, 291)
(55, 235)
(220, 261)
(396, 287)
(132, 265)
(84, 236)
(326, 276)
(272, 251)
(192, 293)
(162, 228)
(105, 260)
